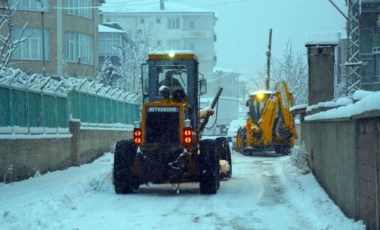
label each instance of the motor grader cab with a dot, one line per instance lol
(269, 124)
(167, 144)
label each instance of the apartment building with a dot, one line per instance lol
(167, 25)
(114, 47)
(113, 43)
(369, 25)
(58, 37)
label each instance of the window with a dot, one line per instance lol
(173, 23)
(32, 5)
(109, 44)
(79, 48)
(174, 44)
(173, 77)
(82, 8)
(158, 20)
(31, 45)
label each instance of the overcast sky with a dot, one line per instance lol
(243, 28)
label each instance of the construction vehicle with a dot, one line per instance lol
(270, 124)
(167, 144)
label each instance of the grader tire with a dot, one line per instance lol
(123, 178)
(209, 168)
(224, 153)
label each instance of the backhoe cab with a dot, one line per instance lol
(167, 144)
(269, 124)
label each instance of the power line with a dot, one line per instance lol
(139, 3)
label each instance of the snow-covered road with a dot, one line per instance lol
(264, 193)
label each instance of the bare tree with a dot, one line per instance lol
(8, 42)
(292, 69)
(126, 74)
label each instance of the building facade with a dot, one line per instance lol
(57, 37)
(114, 48)
(165, 26)
(369, 25)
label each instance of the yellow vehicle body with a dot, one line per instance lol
(167, 144)
(270, 124)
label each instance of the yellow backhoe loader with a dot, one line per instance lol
(269, 125)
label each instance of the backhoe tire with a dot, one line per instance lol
(282, 149)
(241, 140)
(223, 151)
(209, 168)
(123, 178)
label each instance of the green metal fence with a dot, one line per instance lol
(31, 111)
(92, 109)
(48, 107)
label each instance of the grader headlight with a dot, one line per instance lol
(171, 54)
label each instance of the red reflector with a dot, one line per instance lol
(137, 140)
(187, 135)
(137, 133)
(187, 132)
(137, 136)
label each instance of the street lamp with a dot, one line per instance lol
(43, 36)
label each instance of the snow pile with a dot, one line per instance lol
(304, 193)
(47, 201)
(300, 159)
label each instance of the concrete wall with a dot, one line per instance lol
(368, 166)
(21, 158)
(332, 146)
(95, 142)
(345, 159)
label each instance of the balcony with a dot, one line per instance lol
(198, 34)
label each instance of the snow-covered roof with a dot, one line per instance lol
(322, 38)
(168, 52)
(261, 92)
(222, 69)
(106, 29)
(151, 6)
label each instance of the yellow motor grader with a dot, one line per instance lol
(270, 124)
(167, 144)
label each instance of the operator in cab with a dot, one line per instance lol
(170, 81)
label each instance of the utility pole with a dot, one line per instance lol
(43, 36)
(267, 80)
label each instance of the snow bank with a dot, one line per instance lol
(364, 101)
(304, 192)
